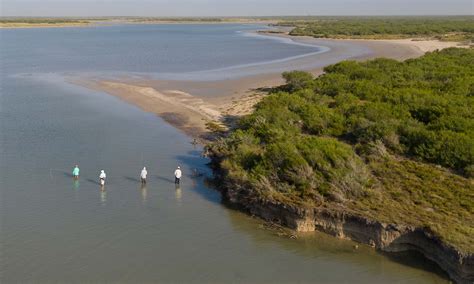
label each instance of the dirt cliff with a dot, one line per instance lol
(342, 224)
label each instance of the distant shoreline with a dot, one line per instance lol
(42, 25)
(92, 23)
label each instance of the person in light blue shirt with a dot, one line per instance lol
(75, 172)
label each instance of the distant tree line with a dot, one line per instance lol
(443, 28)
(14, 20)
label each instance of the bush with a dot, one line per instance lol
(298, 80)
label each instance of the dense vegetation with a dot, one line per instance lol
(443, 28)
(385, 139)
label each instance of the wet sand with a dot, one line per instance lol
(190, 105)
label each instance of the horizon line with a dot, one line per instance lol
(260, 16)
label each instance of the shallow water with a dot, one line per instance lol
(156, 49)
(56, 230)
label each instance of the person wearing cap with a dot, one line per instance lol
(177, 175)
(143, 175)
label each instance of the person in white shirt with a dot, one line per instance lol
(102, 177)
(177, 175)
(143, 175)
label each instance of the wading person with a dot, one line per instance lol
(143, 175)
(177, 175)
(75, 172)
(102, 178)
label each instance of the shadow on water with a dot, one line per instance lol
(416, 260)
(193, 159)
(66, 174)
(165, 179)
(194, 153)
(132, 179)
(197, 184)
(200, 186)
(93, 181)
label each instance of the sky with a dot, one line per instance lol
(201, 8)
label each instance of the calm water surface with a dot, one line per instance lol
(60, 231)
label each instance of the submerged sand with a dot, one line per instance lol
(192, 105)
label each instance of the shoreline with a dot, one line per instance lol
(191, 105)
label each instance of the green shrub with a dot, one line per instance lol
(298, 80)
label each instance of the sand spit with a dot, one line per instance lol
(191, 105)
(180, 109)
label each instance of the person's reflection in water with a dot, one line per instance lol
(75, 188)
(144, 192)
(75, 184)
(103, 196)
(178, 193)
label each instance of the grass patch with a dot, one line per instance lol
(423, 195)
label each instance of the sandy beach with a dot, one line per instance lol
(190, 105)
